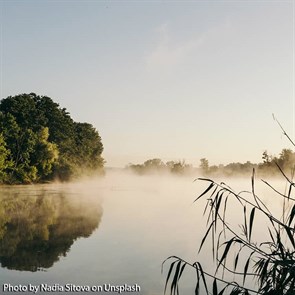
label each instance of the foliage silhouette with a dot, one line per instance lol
(157, 166)
(269, 263)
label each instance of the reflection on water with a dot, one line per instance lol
(37, 229)
(145, 220)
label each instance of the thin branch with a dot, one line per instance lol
(284, 132)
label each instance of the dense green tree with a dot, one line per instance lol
(4, 161)
(23, 109)
(45, 142)
(20, 142)
(88, 146)
(45, 153)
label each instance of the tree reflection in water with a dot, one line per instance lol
(36, 229)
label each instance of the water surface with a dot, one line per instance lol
(117, 230)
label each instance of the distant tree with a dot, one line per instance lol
(204, 165)
(287, 159)
(137, 168)
(158, 166)
(213, 169)
(266, 157)
(154, 164)
(178, 167)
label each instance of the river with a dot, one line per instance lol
(101, 234)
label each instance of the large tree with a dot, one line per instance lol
(4, 162)
(45, 142)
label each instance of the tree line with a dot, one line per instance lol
(158, 166)
(268, 166)
(39, 141)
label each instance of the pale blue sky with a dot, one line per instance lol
(166, 79)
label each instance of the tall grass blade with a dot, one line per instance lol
(175, 278)
(197, 289)
(205, 191)
(236, 260)
(251, 222)
(203, 276)
(224, 255)
(168, 275)
(245, 221)
(292, 214)
(246, 269)
(290, 236)
(290, 189)
(205, 237)
(215, 291)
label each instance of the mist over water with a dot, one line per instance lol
(117, 229)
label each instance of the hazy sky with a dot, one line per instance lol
(168, 79)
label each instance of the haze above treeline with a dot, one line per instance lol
(40, 142)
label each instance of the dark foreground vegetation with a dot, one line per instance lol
(39, 141)
(245, 263)
(252, 255)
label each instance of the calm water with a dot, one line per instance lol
(115, 231)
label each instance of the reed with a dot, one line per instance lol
(271, 263)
